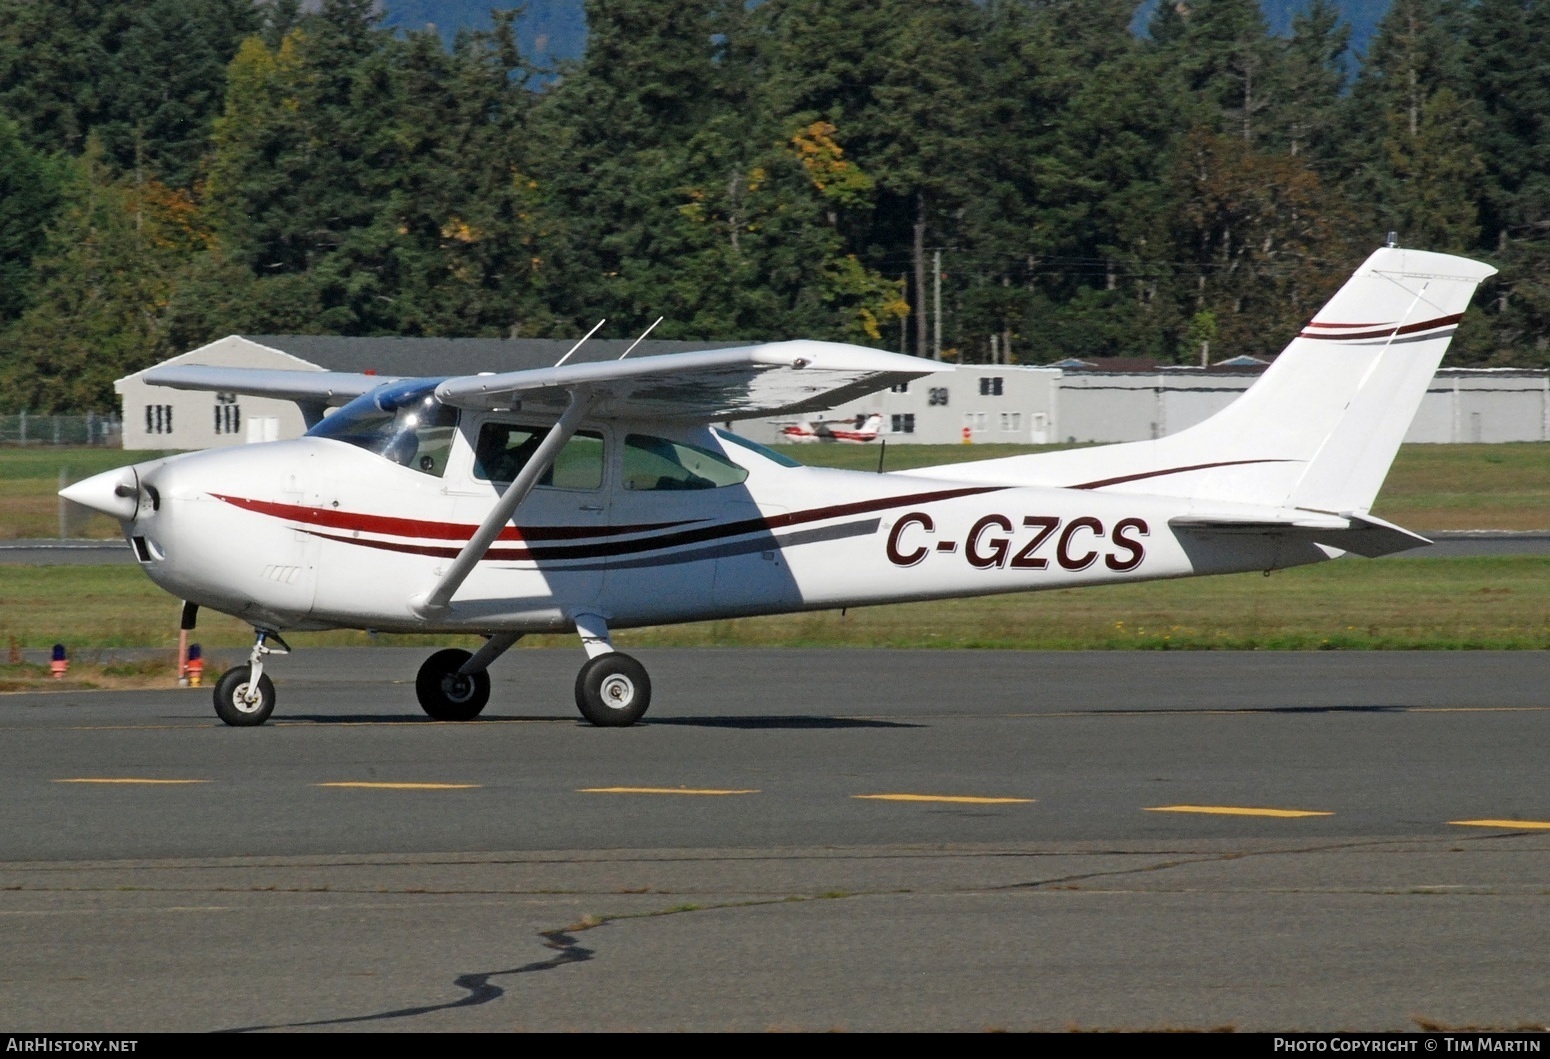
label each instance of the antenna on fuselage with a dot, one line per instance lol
(584, 337)
(642, 338)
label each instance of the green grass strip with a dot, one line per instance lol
(1349, 604)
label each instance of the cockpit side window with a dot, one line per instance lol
(657, 463)
(503, 450)
(403, 423)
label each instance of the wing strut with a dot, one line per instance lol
(436, 602)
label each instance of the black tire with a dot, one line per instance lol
(233, 708)
(445, 695)
(613, 690)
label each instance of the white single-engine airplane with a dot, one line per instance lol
(593, 497)
(862, 429)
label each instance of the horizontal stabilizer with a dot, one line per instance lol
(1359, 534)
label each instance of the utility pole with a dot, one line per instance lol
(936, 297)
(920, 273)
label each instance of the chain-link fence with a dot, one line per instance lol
(88, 429)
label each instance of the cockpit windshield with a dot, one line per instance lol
(402, 422)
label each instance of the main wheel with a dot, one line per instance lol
(446, 695)
(613, 690)
(231, 703)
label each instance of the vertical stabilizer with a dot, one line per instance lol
(1320, 428)
(1392, 322)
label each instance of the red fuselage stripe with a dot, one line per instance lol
(596, 549)
(410, 527)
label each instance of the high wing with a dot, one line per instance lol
(775, 378)
(738, 383)
(313, 391)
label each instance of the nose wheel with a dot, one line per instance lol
(241, 701)
(244, 696)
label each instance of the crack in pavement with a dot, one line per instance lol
(1217, 858)
(478, 986)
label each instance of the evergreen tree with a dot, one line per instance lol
(1313, 81)
(145, 75)
(1224, 53)
(103, 286)
(30, 187)
(1510, 84)
(614, 134)
(1399, 140)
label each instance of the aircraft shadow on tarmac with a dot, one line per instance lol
(1389, 708)
(782, 722)
(764, 722)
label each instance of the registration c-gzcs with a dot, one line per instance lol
(997, 542)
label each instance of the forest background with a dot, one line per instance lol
(172, 171)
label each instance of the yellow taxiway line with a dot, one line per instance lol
(958, 799)
(1234, 810)
(128, 779)
(401, 786)
(660, 790)
(1510, 825)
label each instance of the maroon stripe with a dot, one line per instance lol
(1171, 470)
(1373, 324)
(1389, 332)
(409, 527)
(699, 535)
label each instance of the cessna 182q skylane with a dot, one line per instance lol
(597, 496)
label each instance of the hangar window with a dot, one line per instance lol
(228, 414)
(990, 386)
(904, 424)
(158, 419)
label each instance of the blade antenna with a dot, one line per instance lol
(642, 338)
(584, 337)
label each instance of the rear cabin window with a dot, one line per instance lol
(657, 463)
(504, 449)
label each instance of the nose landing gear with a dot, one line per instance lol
(244, 696)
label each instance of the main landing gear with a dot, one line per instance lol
(612, 689)
(454, 685)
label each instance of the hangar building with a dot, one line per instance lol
(1074, 401)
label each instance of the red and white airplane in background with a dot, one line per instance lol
(594, 497)
(861, 429)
